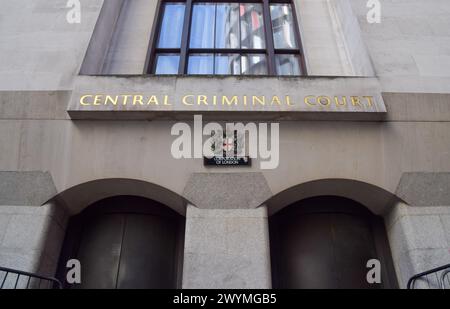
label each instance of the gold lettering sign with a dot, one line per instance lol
(322, 102)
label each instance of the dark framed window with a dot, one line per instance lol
(246, 37)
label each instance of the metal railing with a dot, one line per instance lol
(436, 278)
(16, 279)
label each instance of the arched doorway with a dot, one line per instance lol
(325, 242)
(125, 242)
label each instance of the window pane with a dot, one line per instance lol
(287, 64)
(171, 26)
(252, 26)
(228, 64)
(283, 26)
(201, 64)
(254, 65)
(227, 25)
(167, 63)
(202, 27)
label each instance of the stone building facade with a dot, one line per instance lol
(59, 158)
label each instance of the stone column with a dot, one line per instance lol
(420, 240)
(419, 230)
(226, 249)
(31, 238)
(31, 235)
(227, 234)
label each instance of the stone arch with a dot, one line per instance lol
(131, 236)
(378, 200)
(80, 196)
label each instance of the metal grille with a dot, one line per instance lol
(16, 279)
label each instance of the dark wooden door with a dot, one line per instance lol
(148, 253)
(125, 243)
(318, 246)
(119, 251)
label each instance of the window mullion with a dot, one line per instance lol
(214, 42)
(185, 38)
(269, 38)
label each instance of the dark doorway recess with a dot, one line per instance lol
(325, 243)
(125, 242)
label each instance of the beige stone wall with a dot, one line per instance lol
(413, 139)
(41, 56)
(409, 49)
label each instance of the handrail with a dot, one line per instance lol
(446, 269)
(443, 276)
(52, 281)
